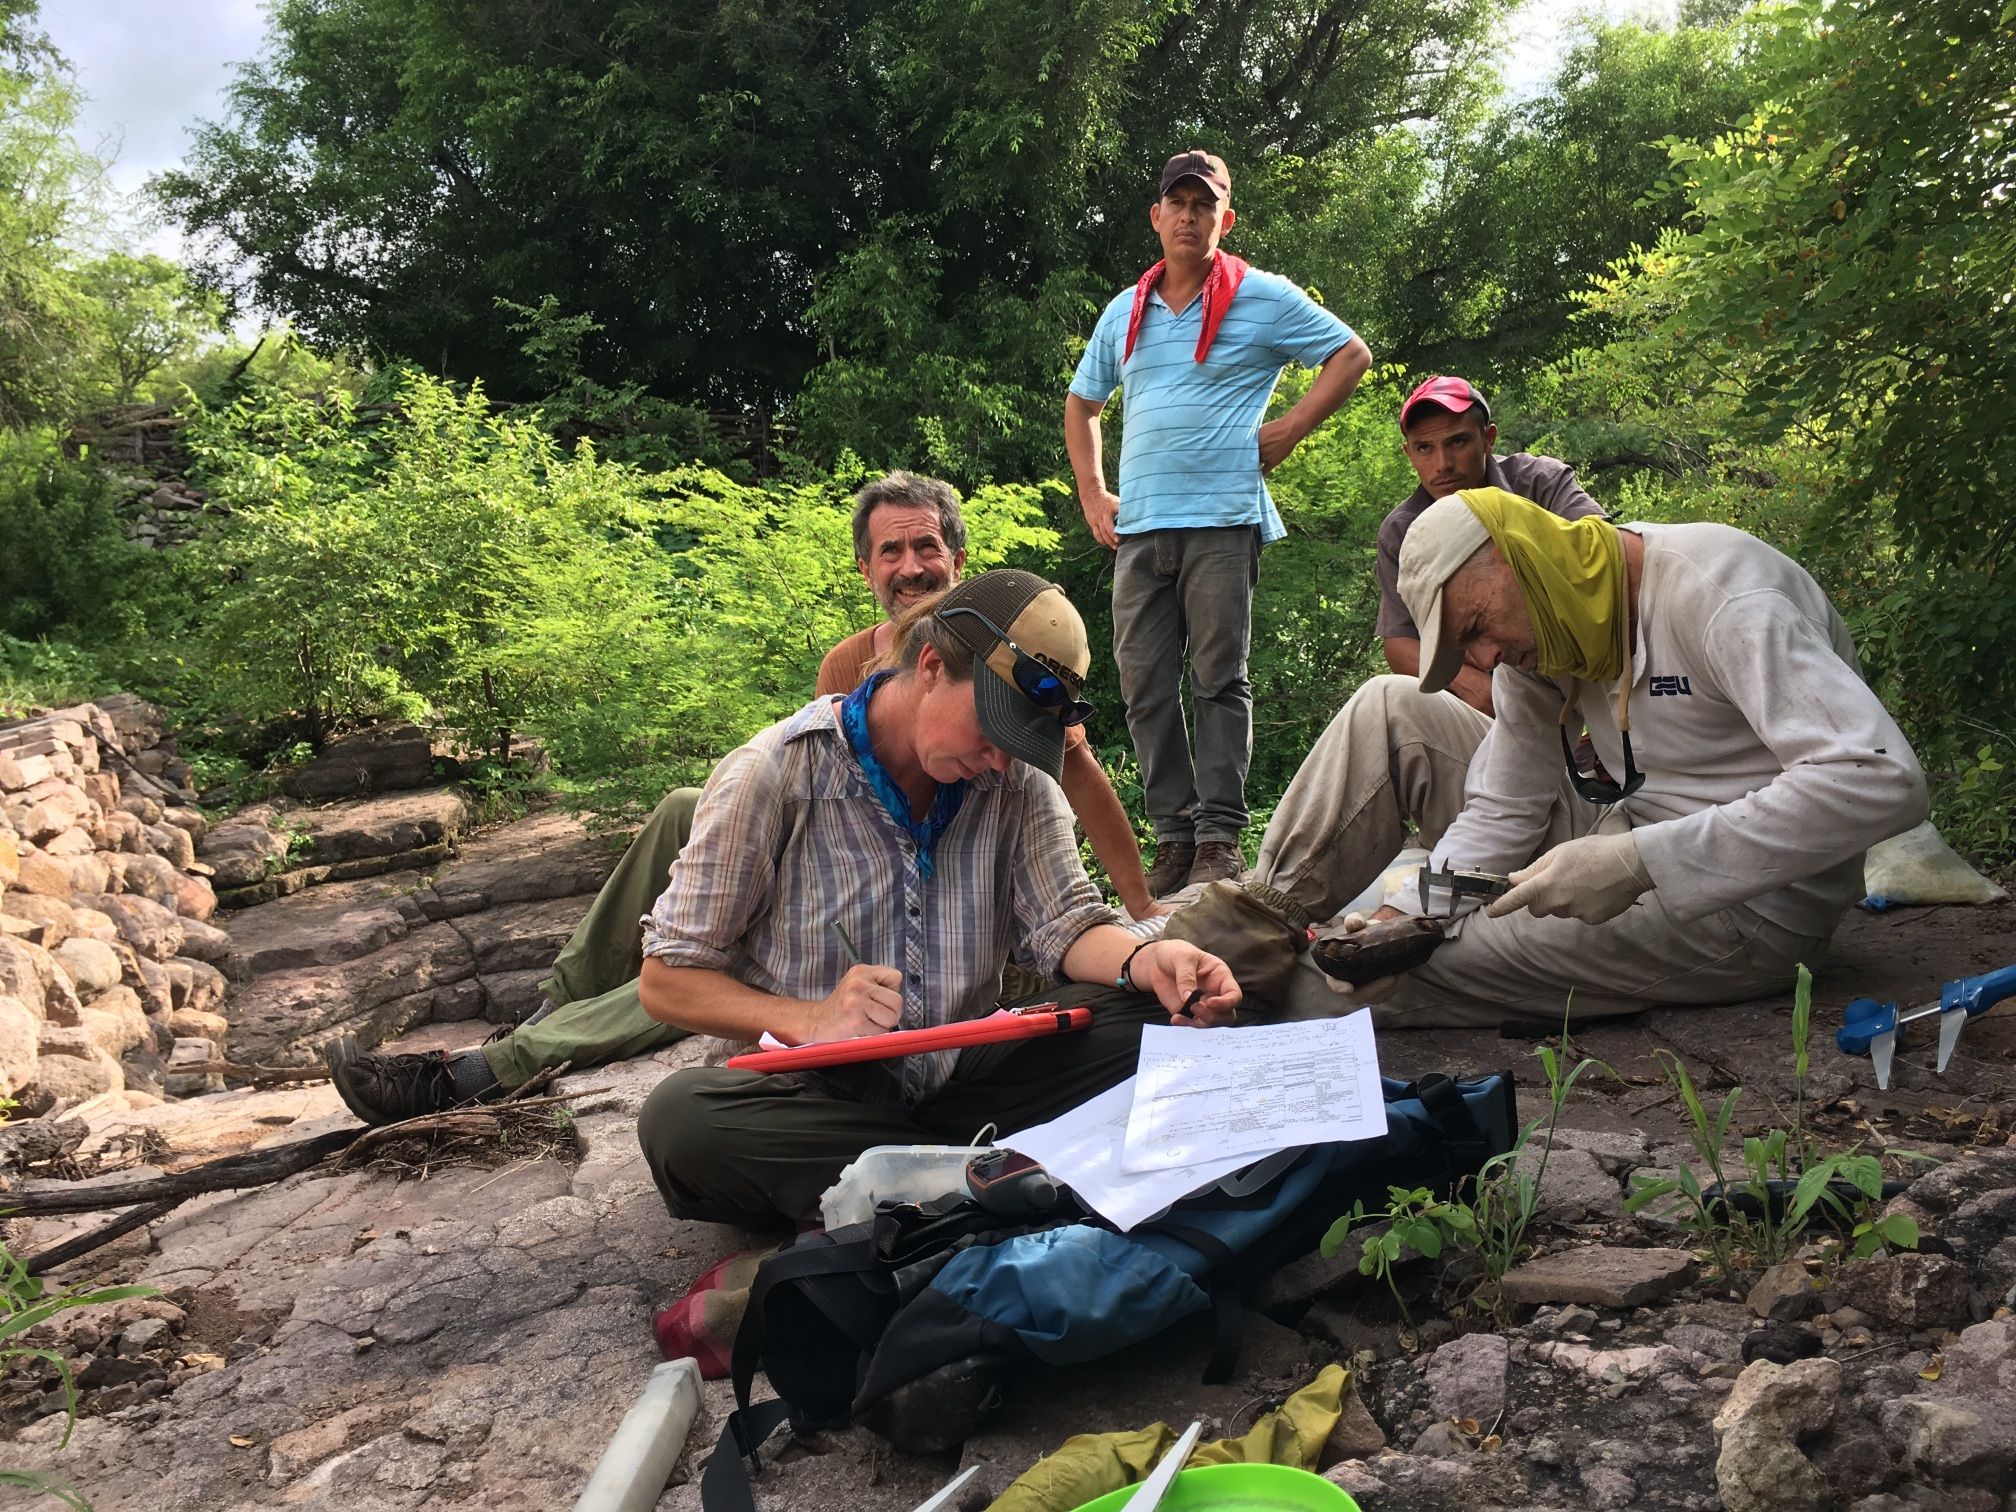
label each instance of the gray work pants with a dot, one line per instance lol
(1394, 755)
(1178, 592)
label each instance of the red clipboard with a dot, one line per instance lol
(1007, 1024)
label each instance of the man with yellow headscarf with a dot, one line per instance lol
(1709, 669)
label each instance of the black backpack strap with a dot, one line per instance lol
(802, 1263)
(724, 1484)
(1467, 1146)
(1223, 1289)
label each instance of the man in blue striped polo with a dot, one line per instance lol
(1195, 348)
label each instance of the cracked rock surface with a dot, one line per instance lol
(359, 1340)
(470, 1339)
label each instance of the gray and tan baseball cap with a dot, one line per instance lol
(1442, 538)
(1005, 606)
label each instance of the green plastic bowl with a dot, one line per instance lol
(1239, 1488)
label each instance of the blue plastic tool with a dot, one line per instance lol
(1869, 1027)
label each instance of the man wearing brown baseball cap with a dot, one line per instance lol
(1196, 347)
(1713, 675)
(873, 863)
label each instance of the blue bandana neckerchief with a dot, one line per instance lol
(924, 832)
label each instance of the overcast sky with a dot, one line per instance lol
(150, 71)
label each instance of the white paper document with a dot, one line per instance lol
(1082, 1149)
(1209, 1094)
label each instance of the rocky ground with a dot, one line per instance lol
(401, 1330)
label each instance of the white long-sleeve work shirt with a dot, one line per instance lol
(1770, 766)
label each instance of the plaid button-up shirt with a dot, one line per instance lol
(789, 837)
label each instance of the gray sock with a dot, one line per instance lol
(470, 1074)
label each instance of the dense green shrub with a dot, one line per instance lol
(65, 559)
(430, 557)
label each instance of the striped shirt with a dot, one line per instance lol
(789, 838)
(1190, 438)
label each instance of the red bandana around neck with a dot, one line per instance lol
(1220, 284)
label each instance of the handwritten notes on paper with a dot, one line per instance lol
(1207, 1103)
(1203, 1094)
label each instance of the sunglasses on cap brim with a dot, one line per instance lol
(1037, 683)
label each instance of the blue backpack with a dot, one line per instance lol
(914, 1324)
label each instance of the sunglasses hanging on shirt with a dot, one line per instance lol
(1596, 786)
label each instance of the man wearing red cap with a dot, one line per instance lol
(1196, 347)
(1447, 435)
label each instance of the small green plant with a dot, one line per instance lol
(1504, 1198)
(1505, 1195)
(213, 769)
(1888, 1231)
(501, 790)
(25, 1302)
(1759, 1214)
(1417, 1222)
(300, 841)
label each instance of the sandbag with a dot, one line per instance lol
(1919, 867)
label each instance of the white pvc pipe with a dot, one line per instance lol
(634, 1468)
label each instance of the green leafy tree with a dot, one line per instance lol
(1534, 197)
(23, 44)
(48, 190)
(416, 552)
(146, 318)
(1858, 245)
(674, 633)
(625, 423)
(921, 202)
(66, 557)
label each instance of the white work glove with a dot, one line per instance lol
(1372, 992)
(1593, 879)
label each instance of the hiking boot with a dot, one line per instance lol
(1217, 860)
(1173, 859)
(383, 1089)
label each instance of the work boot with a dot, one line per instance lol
(1216, 861)
(383, 1089)
(1171, 870)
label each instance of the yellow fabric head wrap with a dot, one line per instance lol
(1571, 573)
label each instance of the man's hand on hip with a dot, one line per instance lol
(869, 1000)
(1593, 879)
(1102, 516)
(1277, 439)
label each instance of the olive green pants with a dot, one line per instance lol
(594, 979)
(745, 1148)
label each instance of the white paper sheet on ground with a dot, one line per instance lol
(1082, 1149)
(1201, 1094)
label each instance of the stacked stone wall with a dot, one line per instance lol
(107, 955)
(141, 450)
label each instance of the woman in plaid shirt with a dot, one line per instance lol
(917, 820)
